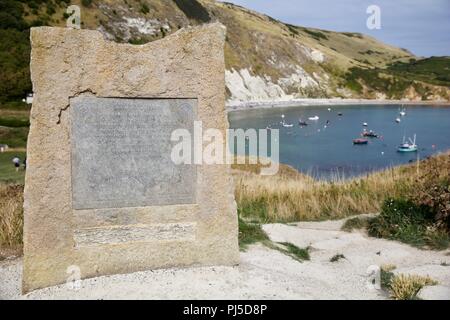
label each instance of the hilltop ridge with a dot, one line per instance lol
(266, 59)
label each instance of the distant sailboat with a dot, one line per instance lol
(402, 111)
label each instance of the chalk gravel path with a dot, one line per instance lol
(263, 273)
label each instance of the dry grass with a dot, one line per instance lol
(293, 197)
(406, 287)
(11, 217)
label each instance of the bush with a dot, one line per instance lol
(408, 222)
(406, 287)
(434, 191)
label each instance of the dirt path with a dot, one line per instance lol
(263, 273)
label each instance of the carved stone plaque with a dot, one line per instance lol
(121, 152)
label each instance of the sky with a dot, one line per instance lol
(421, 26)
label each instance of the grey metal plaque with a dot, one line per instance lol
(121, 152)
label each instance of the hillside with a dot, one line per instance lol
(265, 58)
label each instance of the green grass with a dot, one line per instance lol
(399, 76)
(250, 233)
(14, 122)
(435, 70)
(299, 254)
(407, 222)
(14, 137)
(8, 172)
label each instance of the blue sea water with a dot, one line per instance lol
(327, 150)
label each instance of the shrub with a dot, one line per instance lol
(434, 191)
(406, 287)
(408, 222)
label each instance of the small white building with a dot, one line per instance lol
(3, 147)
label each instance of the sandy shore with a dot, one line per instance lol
(236, 106)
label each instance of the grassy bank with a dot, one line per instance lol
(288, 198)
(413, 200)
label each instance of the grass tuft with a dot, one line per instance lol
(406, 287)
(250, 233)
(299, 254)
(337, 257)
(11, 216)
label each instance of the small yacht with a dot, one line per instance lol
(402, 112)
(315, 118)
(410, 146)
(365, 124)
(398, 120)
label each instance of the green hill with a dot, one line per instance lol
(265, 58)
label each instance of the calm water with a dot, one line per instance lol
(325, 151)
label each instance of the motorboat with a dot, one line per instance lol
(315, 118)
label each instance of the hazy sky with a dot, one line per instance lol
(421, 26)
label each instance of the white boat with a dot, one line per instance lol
(365, 124)
(315, 118)
(402, 112)
(398, 120)
(410, 146)
(287, 125)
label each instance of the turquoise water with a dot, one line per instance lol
(328, 151)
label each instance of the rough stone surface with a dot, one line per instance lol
(66, 64)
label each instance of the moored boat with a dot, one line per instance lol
(370, 134)
(360, 141)
(410, 146)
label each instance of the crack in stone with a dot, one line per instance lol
(68, 104)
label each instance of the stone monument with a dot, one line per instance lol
(102, 195)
